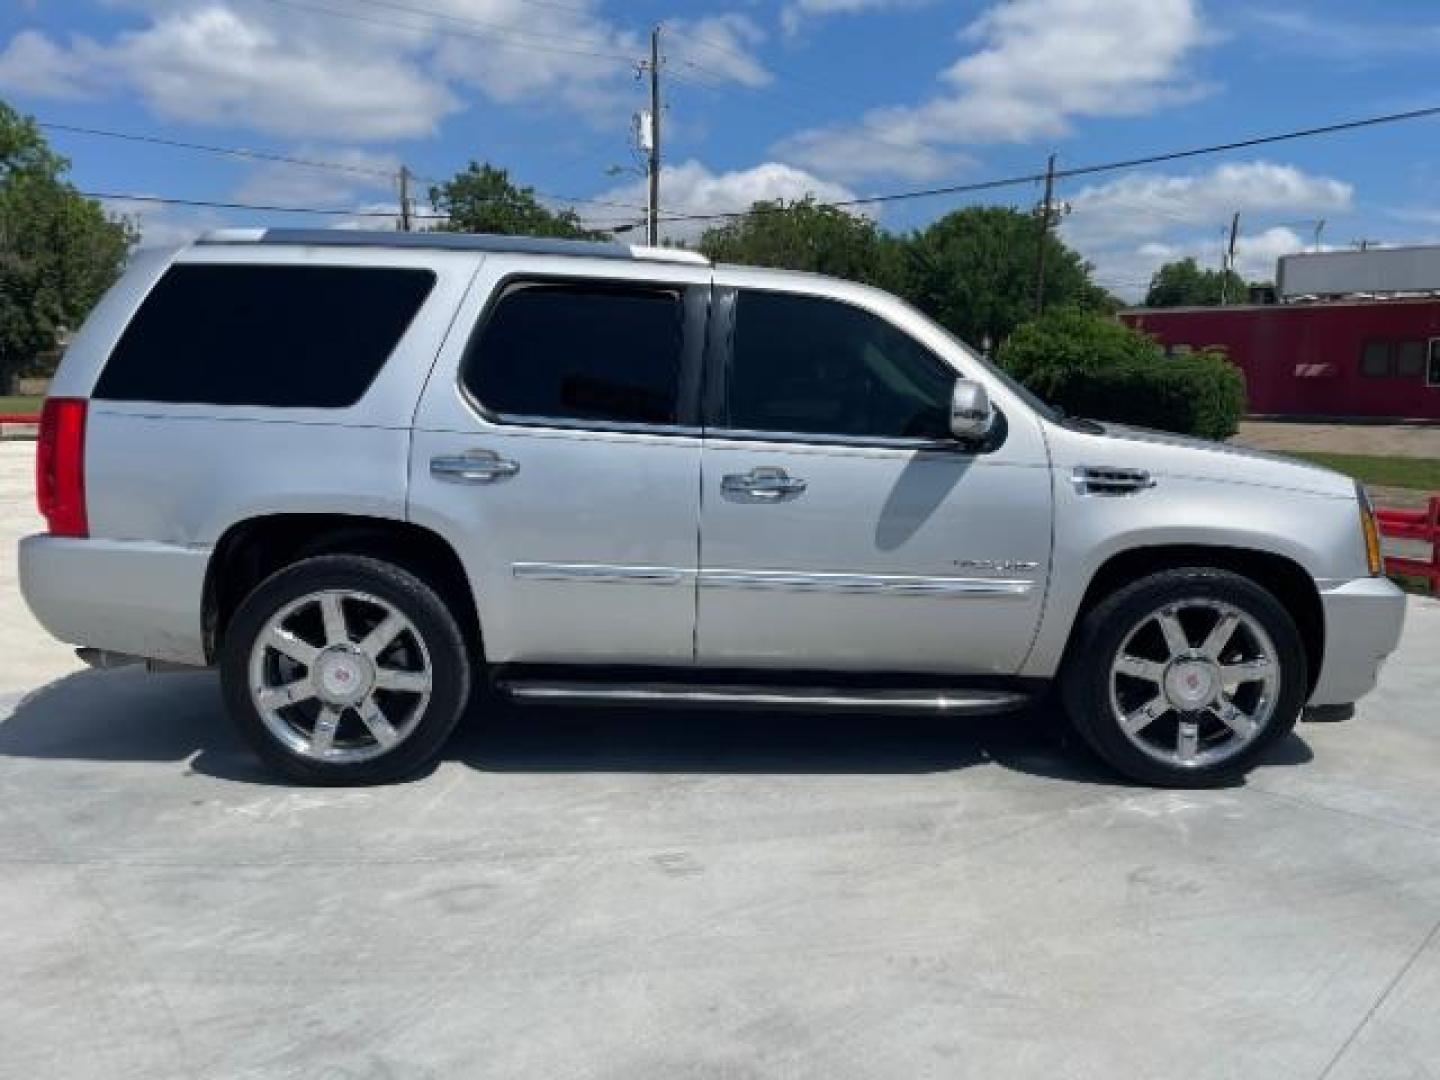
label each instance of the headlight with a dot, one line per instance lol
(1371, 530)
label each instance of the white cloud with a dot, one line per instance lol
(1127, 272)
(384, 216)
(1256, 253)
(693, 188)
(1131, 226)
(381, 73)
(718, 46)
(1150, 204)
(33, 65)
(208, 64)
(1036, 66)
(162, 225)
(566, 54)
(278, 183)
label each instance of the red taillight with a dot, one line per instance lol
(60, 467)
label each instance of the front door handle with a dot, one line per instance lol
(767, 482)
(473, 467)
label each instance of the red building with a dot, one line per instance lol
(1345, 358)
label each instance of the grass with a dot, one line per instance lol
(1418, 586)
(1421, 474)
(12, 404)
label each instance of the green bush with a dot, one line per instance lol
(1096, 367)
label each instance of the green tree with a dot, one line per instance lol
(482, 199)
(59, 251)
(805, 235)
(974, 271)
(1092, 365)
(1067, 339)
(1184, 284)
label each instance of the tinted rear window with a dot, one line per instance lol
(608, 353)
(281, 336)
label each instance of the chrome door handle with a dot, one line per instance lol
(473, 467)
(763, 482)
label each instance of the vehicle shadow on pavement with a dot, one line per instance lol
(127, 715)
(547, 739)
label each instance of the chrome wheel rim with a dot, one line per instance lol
(340, 676)
(1194, 683)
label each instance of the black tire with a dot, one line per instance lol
(432, 622)
(1085, 680)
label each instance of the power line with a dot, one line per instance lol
(329, 211)
(954, 189)
(491, 37)
(312, 163)
(228, 151)
(497, 33)
(216, 204)
(1259, 140)
(492, 28)
(1108, 166)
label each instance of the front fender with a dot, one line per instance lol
(1319, 533)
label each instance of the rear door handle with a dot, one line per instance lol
(473, 467)
(767, 482)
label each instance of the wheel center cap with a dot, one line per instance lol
(343, 676)
(1190, 684)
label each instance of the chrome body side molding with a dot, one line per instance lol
(598, 573)
(889, 584)
(781, 580)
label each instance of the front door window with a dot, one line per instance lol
(806, 365)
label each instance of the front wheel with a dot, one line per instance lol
(1185, 677)
(343, 669)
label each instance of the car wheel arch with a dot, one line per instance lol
(251, 550)
(1282, 576)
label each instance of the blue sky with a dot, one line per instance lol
(765, 98)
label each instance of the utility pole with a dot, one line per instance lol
(1229, 267)
(406, 224)
(1046, 211)
(1319, 232)
(652, 231)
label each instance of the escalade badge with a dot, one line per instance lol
(998, 566)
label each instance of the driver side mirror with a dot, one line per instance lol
(972, 417)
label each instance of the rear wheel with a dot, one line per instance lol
(345, 669)
(1183, 678)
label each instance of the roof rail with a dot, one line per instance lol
(448, 241)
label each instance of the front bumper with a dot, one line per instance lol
(1363, 620)
(123, 596)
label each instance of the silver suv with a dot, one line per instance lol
(371, 476)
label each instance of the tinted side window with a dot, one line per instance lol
(282, 336)
(1432, 371)
(807, 365)
(1375, 360)
(581, 352)
(1410, 359)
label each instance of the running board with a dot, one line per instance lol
(926, 700)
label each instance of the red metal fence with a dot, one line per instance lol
(19, 418)
(1422, 525)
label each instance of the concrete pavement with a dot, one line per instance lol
(622, 895)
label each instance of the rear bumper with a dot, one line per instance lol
(1363, 620)
(120, 595)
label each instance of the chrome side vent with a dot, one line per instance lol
(1110, 480)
